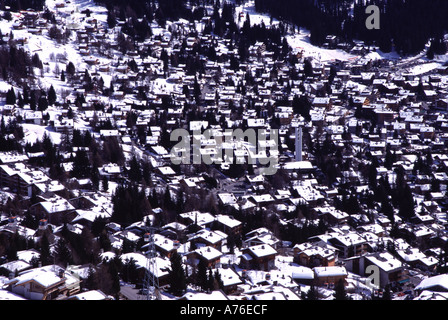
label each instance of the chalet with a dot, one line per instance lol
(87, 217)
(33, 117)
(192, 182)
(261, 236)
(376, 229)
(9, 177)
(329, 275)
(384, 115)
(315, 254)
(45, 283)
(14, 267)
(258, 257)
(230, 279)
(331, 215)
(173, 230)
(64, 126)
(210, 255)
(203, 219)
(228, 224)
(164, 245)
(208, 238)
(110, 170)
(262, 200)
(53, 208)
(309, 194)
(349, 244)
(227, 198)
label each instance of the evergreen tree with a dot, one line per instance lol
(135, 173)
(218, 280)
(10, 97)
(45, 255)
(51, 96)
(111, 19)
(105, 184)
(312, 293)
(91, 282)
(177, 278)
(202, 274)
(340, 292)
(62, 253)
(387, 295)
(210, 280)
(406, 208)
(42, 103)
(81, 164)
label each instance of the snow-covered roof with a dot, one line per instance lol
(262, 250)
(228, 276)
(45, 276)
(28, 255)
(208, 252)
(210, 236)
(435, 283)
(214, 295)
(385, 261)
(90, 295)
(227, 220)
(330, 271)
(303, 273)
(16, 265)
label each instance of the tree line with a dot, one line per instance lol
(404, 25)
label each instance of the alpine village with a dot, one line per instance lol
(93, 207)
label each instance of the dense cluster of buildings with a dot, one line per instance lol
(369, 107)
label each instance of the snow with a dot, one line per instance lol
(45, 276)
(424, 68)
(262, 250)
(436, 281)
(330, 271)
(214, 295)
(90, 295)
(27, 255)
(301, 42)
(34, 133)
(208, 252)
(6, 295)
(255, 17)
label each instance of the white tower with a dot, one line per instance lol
(298, 143)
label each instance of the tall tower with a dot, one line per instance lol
(298, 143)
(151, 282)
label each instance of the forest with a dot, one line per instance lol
(406, 25)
